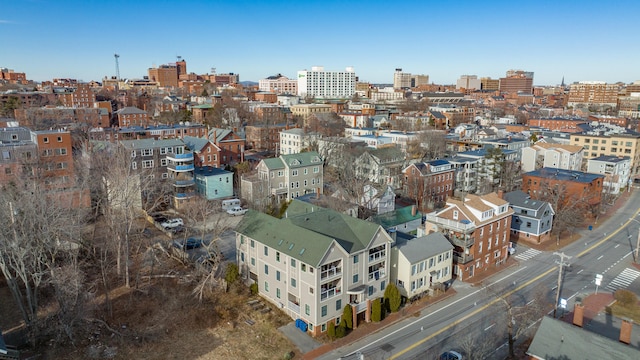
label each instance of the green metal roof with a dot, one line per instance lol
(307, 231)
(273, 163)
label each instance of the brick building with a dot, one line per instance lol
(262, 137)
(429, 183)
(478, 227)
(565, 187)
(132, 116)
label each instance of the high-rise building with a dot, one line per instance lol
(327, 84)
(167, 75)
(487, 83)
(402, 80)
(517, 81)
(593, 92)
(469, 82)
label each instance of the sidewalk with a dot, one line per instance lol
(366, 329)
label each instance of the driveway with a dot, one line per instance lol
(304, 342)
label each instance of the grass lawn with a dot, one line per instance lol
(626, 312)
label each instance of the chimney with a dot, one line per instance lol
(625, 331)
(414, 210)
(501, 194)
(578, 314)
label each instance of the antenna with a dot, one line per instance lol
(116, 56)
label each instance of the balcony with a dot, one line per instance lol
(460, 241)
(452, 224)
(184, 183)
(180, 168)
(188, 155)
(462, 258)
(330, 273)
(360, 307)
(294, 307)
(377, 274)
(184, 195)
(377, 256)
(279, 191)
(329, 293)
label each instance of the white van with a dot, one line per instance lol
(230, 204)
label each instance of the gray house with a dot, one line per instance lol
(532, 220)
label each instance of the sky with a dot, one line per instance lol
(578, 40)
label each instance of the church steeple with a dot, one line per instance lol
(562, 83)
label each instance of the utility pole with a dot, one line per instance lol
(561, 264)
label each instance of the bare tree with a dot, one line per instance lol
(520, 313)
(40, 228)
(570, 210)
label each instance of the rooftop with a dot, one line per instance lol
(564, 175)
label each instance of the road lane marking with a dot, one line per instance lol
(473, 313)
(455, 323)
(489, 327)
(531, 302)
(600, 257)
(615, 247)
(580, 271)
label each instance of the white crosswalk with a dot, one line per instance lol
(624, 279)
(526, 255)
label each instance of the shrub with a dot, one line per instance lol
(254, 289)
(347, 315)
(341, 331)
(392, 298)
(232, 274)
(376, 310)
(289, 355)
(626, 298)
(331, 330)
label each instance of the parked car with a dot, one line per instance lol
(451, 355)
(188, 244)
(172, 223)
(237, 210)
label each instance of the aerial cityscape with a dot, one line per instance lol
(274, 180)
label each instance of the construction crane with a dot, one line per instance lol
(116, 56)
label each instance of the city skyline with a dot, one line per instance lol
(74, 39)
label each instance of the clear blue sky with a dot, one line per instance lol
(580, 40)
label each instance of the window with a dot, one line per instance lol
(355, 259)
(316, 169)
(163, 151)
(277, 275)
(45, 140)
(266, 286)
(293, 282)
(266, 269)
(146, 152)
(307, 309)
(455, 214)
(294, 173)
(338, 304)
(278, 293)
(163, 162)
(293, 262)
(133, 153)
(323, 328)
(146, 164)
(253, 261)
(277, 256)
(528, 224)
(303, 267)
(370, 290)
(134, 165)
(355, 278)
(382, 285)
(266, 251)
(61, 151)
(323, 311)
(253, 244)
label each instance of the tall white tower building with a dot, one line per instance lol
(327, 84)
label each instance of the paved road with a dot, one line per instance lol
(605, 250)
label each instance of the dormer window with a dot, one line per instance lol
(455, 214)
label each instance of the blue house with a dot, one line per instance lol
(532, 220)
(214, 183)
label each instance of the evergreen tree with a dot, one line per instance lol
(392, 298)
(347, 316)
(376, 310)
(331, 330)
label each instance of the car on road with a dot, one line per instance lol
(451, 355)
(237, 210)
(172, 223)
